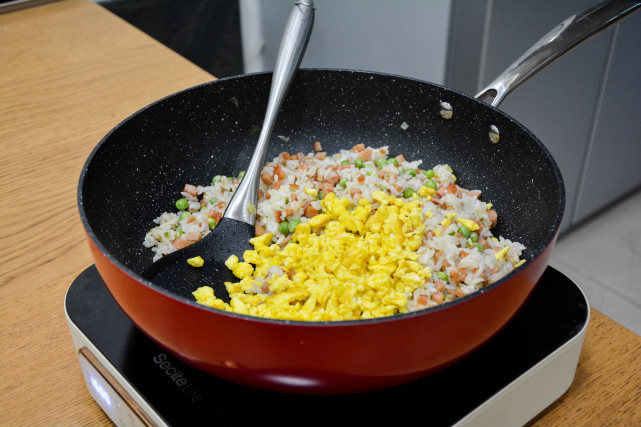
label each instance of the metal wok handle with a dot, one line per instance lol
(567, 35)
(290, 53)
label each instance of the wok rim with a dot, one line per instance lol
(536, 252)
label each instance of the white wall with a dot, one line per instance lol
(406, 37)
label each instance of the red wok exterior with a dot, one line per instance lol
(320, 358)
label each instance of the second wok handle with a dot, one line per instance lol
(567, 35)
(290, 53)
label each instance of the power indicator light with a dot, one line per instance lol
(100, 390)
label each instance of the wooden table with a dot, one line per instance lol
(70, 71)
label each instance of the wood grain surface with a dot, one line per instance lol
(70, 72)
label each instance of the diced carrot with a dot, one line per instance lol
(365, 155)
(277, 185)
(192, 236)
(493, 217)
(463, 254)
(294, 186)
(321, 155)
(285, 155)
(354, 191)
(437, 297)
(318, 146)
(439, 286)
(326, 188)
(458, 274)
(190, 219)
(293, 197)
(203, 203)
(397, 187)
(261, 194)
(333, 178)
(358, 148)
(422, 300)
(400, 158)
(179, 243)
(220, 205)
(278, 171)
(310, 211)
(260, 230)
(459, 292)
(345, 166)
(266, 178)
(474, 193)
(216, 215)
(191, 189)
(361, 178)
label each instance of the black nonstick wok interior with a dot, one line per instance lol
(139, 169)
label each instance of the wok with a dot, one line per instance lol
(138, 169)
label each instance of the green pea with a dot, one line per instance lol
(430, 184)
(320, 194)
(343, 182)
(479, 247)
(381, 163)
(213, 201)
(465, 231)
(211, 222)
(358, 163)
(283, 227)
(392, 161)
(216, 179)
(182, 204)
(293, 223)
(241, 174)
(345, 162)
(408, 192)
(442, 276)
(411, 172)
(474, 236)
(429, 173)
(183, 215)
(179, 232)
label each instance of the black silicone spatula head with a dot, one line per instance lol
(236, 227)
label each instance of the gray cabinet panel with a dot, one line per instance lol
(613, 167)
(558, 104)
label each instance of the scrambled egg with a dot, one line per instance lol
(340, 265)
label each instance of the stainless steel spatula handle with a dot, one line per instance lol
(290, 54)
